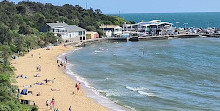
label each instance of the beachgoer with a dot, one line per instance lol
(32, 55)
(53, 99)
(70, 109)
(66, 59)
(55, 89)
(38, 68)
(47, 103)
(57, 61)
(38, 94)
(34, 103)
(46, 81)
(37, 75)
(51, 105)
(57, 109)
(53, 80)
(61, 64)
(78, 87)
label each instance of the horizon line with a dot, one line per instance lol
(158, 12)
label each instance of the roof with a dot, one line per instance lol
(109, 26)
(153, 22)
(74, 28)
(56, 24)
(69, 28)
(90, 32)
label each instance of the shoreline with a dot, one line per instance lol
(91, 92)
(63, 84)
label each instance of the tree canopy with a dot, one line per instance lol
(20, 26)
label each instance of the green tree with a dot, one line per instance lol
(5, 53)
(91, 28)
(5, 34)
(24, 29)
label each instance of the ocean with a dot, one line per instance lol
(178, 74)
(199, 19)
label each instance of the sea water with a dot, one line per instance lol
(178, 74)
(200, 19)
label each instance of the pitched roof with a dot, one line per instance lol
(74, 28)
(56, 24)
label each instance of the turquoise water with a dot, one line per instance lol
(201, 19)
(179, 74)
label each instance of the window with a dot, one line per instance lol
(80, 33)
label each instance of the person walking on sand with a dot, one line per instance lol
(51, 105)
(53, 99)
(78, 87)
(70, 108)
(47, 103)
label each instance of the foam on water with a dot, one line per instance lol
(136, 88)
(147, 94)
(91, 91)
(172, 74)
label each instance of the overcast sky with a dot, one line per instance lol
(142, 6)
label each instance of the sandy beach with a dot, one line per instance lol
(62, 85)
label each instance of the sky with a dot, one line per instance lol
(141, 6)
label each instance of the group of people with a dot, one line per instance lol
(77, 87)
(52, 105)
(22, 76)
(61, 63)
(32, 55)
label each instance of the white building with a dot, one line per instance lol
(154, 27)
(71, 33)
(111, 30)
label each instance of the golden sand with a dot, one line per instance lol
(63, 98)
